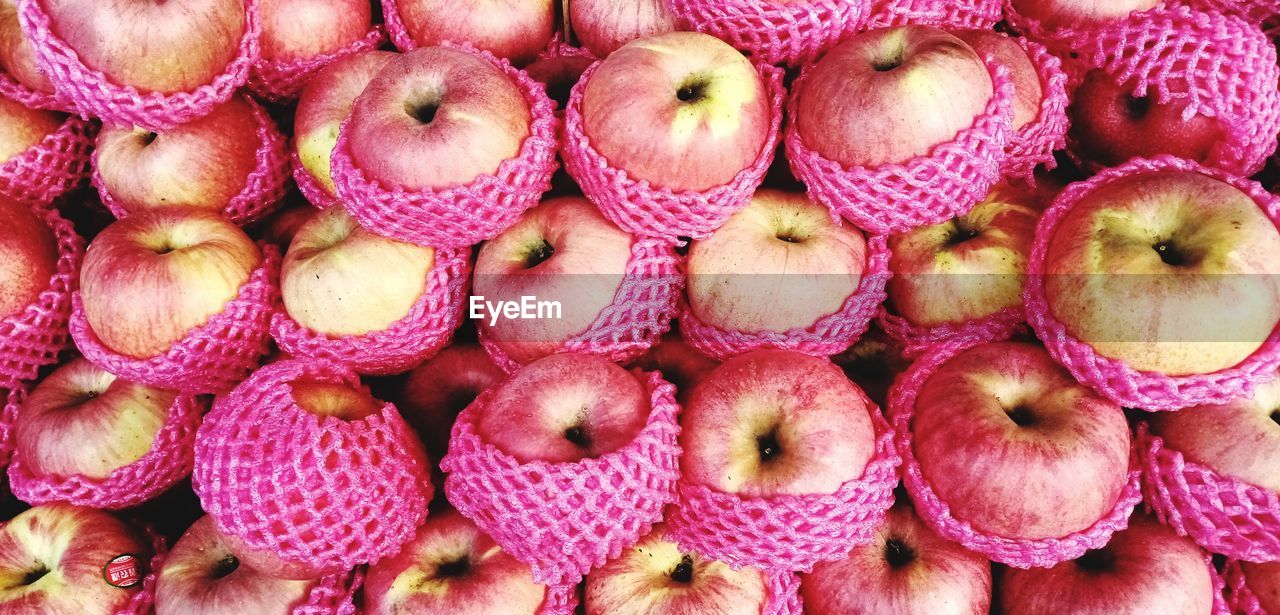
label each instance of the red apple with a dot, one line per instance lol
(21, 128)
(602, 26)
(1264, 581)
(679, 363)
(280, 227)
(872, 363)
(300, 29)
(28, 257)
(1028, 93)
(435, 392)
(1058, 13)
(559, 74)
(17, 55)
(513, 29)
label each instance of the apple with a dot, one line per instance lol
(558, 74)
(563, 251)
(59, 558)
(564, 408)
(654, 577)
(1028, 92)
(22, 128)
(872, 363)
(514, 29)
(775, 422)
(886, 96)
(778, 264)
(435, 392)
(436, 117)
(1015, 446)
(28, 257)
(17, 55)
(201, 575)
(1145, 569)
(906, 568)
(682, 110)
(126, 42)
(1263, 580)
(187, 264)
(1142, 267)
(301, 29)
(602, 26)
(1053, 14)
(281, 226)
(453, 567)
(678, 362)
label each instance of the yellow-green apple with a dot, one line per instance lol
(452, 567)
(1015, 446)
(436, 117)
(966, 268)
(563, 252)
(1144, 569)
(681, 110)
(515, 29)
(778, 264)
(17, 55)
(602, 26)
(654, 577)
(1028, 93)
(1263, 579)
(1142, 267)
(326, 100)
(340, 279)
(678, 362)
(773, 422)
(21, 128)
(300, 29)
(64, 559)
(564, 408)
(906, 568)
(873, 362)
(28, 257)
(558, 74)
(435, 392)
(201, 575)
(1059, 13)
(171, 46)
(888, 95)
(187, 264)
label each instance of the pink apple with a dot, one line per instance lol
(187, 264)
(327, 100)
(28, 257)
(1142, 268)
(602, 26)
(515, 29)
(888, 95)
(682, 110)
(1264, 581)
(17, 55)
(1028, 93)
(435, 392)
(872, 363)
(300, 29)
(679, 363)
(559, 74)
(21, 128)
(1058, 13)
(774, 422)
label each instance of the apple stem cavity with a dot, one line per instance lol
(1137, 106)
(577, 435)
(1022, 416)
(1275, 416)
(453, 568)
(692, 92)
(1171, 255)
(683, 572)
(149, 138)
(1096, 560)
(34, 576)
(961, 234)
(769, 446)
(225, 566)
(898, 553)
(539, 254)
(423, 112)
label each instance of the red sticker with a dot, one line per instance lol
(122, 571)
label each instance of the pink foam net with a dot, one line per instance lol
(1239, 598)
(915, 340)
(830, 335)
(460, 215)
(557, 48)
(395, 27)
(1065, 41)
(563, 519)
(1112, 378)
(95, 95)
(213, 357)
(1012, 552)
(1221, 513)
(784, 594)
(1261, 12)
(925, 190)
(308, 185)
(33, 337)
(1034, 144)
(794, 33)
(332, 595)
(50, 168)
(13, 400)
(975, 14)
(648, 211)
(12, 89)
(426, 329)
(280, 81)
(143, 601)
(318, 491)
(561, 599)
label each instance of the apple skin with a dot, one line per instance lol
(775, 422)
(21, 128)
(1141, 268)
(17, 55)
(886, 96)
(1059, 13)
(326, 100)
(563, 250)
(1264, 581)
(564, 408)
(1028, 93)
(280, 228)
(187, 263)
(709, 101)
(906, 568)
(301, 29)
(602, 26)
(171, 46)
(654, 578)
(435, 117)
(778, 264)
(873, 363)
(435, 392)
(71, 545)
(678, 362)
(201, 575)
(451, 567)
(28, 257)
(559, 74)
(1145, 569)
(514, 29)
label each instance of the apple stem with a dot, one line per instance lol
(683, 572)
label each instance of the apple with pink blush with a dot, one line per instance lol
(299, 29)
(435, 392)
(17, 54)
(1263, 580)
(1078, 13)
(602, 26)
(678, 362)
(514, 29)
(28, 257)
(1028, 92)
(22, 128)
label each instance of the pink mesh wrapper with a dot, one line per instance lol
(648, 211)
(561, 599)
(784, 594)
(1260, 12)
(830, 335)
(641, 312)
(95, 95)
(1222, 514)
(50, 168)
(318, 491)
(563, 519)
(925, 190)
(1114, 379)
(213, 357)
(332, 595)
(168, 462)
(143, 602)
(280, 81)
(1067, 42)
(915, 340)
(788, 533)
(1011, 552)
(769, 32)
(557, 48)
(11, 88)
(308, 185)
(460, 215)
(32, 338)
(975, 14)
(395, 27)
(263, 188)
(1034, 144)
(1240, 599)
(426, 329)
(13, 400)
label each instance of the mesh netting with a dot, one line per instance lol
(280, 81)
(33, 338)
(792, 33)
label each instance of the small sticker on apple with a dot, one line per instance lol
(122, 571)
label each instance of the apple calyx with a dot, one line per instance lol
(423, 111)
(768, 445)
(538, 254)
(1021, 415)
(1275, 416)
(1097, 560)
(963, 232)
(683, 572)
(577, 435)
(33, 576)
(692, 91)
(147, 137)
(224, 566)
(898, 553)
(1172, 255)
(454, 568)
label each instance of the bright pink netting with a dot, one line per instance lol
(13, 400)
(1066, 42)
(794, 33)
(1240, 599)
(308, 185)
(426, 329)
(975, 14)
(318, 491)
(333, 595)
(143, 602)
(33, 338)
(1113, 378)
(561, 599)
(784, 594)
(830, 335)
(915, 340)
(12, 89)
(648, 211)
(1034, 144)
(563, 519)
(213, 357)
(395, 27)
(557, 48)
(1261, 12)
(893, 198)
(1012, 552)
(50, 168)
(94, 95)
(280, 81)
